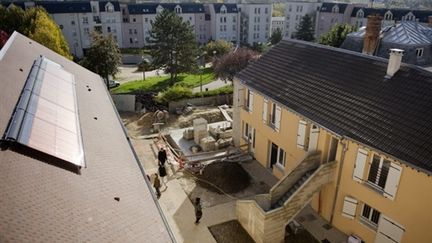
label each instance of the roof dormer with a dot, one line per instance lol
(335, 9)
(360, 13)
(159, 9)
(223, 9)
(178, 9)
(409, 17)
(388, 15)
(109, 7)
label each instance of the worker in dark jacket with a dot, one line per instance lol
(162, 156)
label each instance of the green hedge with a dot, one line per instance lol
(179, 92)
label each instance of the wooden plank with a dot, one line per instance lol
(225, 114)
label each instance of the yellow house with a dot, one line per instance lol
(347, 133)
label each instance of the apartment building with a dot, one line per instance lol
(295, 11)
(390, 16)
(350, 137)
(278, 23)
(224, 22)
(411, 36)
(78, 19)
(332, 13)
(255, 24)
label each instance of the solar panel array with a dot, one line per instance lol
(46, 117)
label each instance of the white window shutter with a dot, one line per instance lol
(278, 118)
(349, 207)
(389, 231)
(241, 97)
(360, 165)
(301, 134)
(392, 182)
(265, 107)
(251, 95)
(313, 138)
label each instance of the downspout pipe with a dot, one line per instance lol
(344, 149)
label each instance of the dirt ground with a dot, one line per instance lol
(230, 231)
(229, 177)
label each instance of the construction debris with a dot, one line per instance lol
(208, 144)
(200, 129)
(188, 134)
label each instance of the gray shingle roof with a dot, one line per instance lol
(346, 92)
(43, 202)
(328, 7)
(421, 15)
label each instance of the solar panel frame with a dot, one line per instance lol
(46, 117)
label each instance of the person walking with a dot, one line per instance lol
(162, 156)
(198, 210)
(162, 173)
(157, 185)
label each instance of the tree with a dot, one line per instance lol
(304, 30)
(276, 36)
(218, 48)
(336, 36)
(103, 57)
(227, 66)
(144, 66)
(37, 25)
(173, 44)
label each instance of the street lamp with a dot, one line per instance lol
(143, 66)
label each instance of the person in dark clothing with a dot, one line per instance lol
(157, 185)
(162, 156)
(198, 210)
(162, 173)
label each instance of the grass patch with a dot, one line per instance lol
(156, 84)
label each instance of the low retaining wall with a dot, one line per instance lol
(211, 100)
(124, 102)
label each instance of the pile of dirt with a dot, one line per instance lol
(230, 231)
(211, 116)
(229, 177)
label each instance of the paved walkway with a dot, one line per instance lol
(128, 73)
(177, 207)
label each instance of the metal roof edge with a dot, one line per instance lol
(8, 44)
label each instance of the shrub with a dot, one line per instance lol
(174, 93)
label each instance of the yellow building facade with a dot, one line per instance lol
(372, 195)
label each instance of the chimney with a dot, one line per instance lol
(430, 21)
(373, 29)
(394, 62)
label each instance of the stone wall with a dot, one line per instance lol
(124, 102)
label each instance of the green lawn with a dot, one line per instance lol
(156, 84)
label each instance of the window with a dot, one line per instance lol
(61, 26)
(277, 156)
(297, 9)
(378, 171)
(221, 19)
(225, 28)
(266, 10)
(130, 40)
(259, 10)
(72, 22)
(146, 20)
(289, 8)
(86, 31)
(74, 33)
(249, 101)
(221, 28)
(297, 17)
(85, 20)
(419, 52)
(275, 116)
(301, 9)
(134, 20)
(94, 9)
(190, 18)
(360, 14)
(130, 31)
(245, 130)
(255, 10)
(135, 31)
(234, 27)
(223, 9)
(370, 215)
(108, 29)
(224, 19)
(178, 9)
(234, 19)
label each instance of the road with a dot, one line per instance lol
(129, 73)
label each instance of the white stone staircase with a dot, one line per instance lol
(266, 216)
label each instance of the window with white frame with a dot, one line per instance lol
(419, 52)
(245, 130)
(86, 31)
(378, 171)
(388, 15)
(85, 20)
(335, 9)
(109, 8)
(360, 14)
(370, 215)
(178, 9)
(277, 155)
(249, 101)
(281, 157)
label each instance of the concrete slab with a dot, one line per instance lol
(318, 226)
